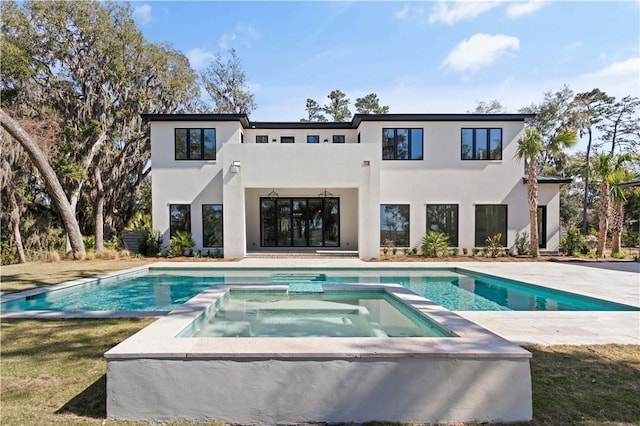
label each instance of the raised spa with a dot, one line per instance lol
(279, 313)
(352, 353)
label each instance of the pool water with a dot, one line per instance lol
(166, 289)
(244, 313)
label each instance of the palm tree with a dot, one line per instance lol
(604, 168)
(618, 199)
(530, 150)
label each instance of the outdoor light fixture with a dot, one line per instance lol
(366, 163)
(325, 194)
(326, 141)
(273, 194)
(274, 140)
(235, 166)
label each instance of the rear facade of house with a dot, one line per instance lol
(240, 186)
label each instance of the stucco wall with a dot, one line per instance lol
(357, 170)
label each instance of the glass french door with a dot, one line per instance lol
(300, 222)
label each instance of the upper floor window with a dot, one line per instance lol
(338, 138)
(313, 139)
(402, 144)
(195, 144)
(287, 139)
(262, 139)
(481, 144)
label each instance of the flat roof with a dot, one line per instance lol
(353, 124)
(550, 179)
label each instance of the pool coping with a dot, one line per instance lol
(523, 327)
(159, 340)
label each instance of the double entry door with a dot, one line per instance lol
(300, 222)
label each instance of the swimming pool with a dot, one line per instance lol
(164, 289)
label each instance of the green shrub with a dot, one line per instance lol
(465, 251)
(523, 244)
(89, 242)
(574, 242)
(494, 247)
(618, 255)
(455, 251)
(151, 245)
(180, 243)
(435, 244)
(475, 251)
(114, 243)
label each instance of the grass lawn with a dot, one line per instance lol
(54, 371)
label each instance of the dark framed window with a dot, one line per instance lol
(300, 222)
(195, 144)
(262, 139)
(179, 218)
(444, 218)
(338, 139)
(394, 224)
(402, 144)
(358, 137)
(212, 230)
(542, 226)
(491, 219)
(313, 139)
(481, 144)
(287, 139)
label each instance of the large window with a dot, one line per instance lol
(300, 222)
(542, 226)
(481, 144)
(394, 224)
(444, 218)
(313, 139)
(491, 219)
(287, 139)
(195, 144)
(212, 233)
(179, 218)
(402, 144)
(262, 139)
(338, 139)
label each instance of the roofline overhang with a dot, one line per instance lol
(550, 179)
(353, 124)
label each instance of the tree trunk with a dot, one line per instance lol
(98, 211)
(532, 197)
(586, 187)
(604, 218)
(15, 226)
(617, 222)
(55, 190)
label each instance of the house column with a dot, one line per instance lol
(369, 211)
(234, 215)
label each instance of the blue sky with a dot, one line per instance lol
(440, 56)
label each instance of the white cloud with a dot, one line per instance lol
(244, 34)
(407, 12)
(142, 13)
(452, 12)
(200, 58)
(521, 8)
(617, 79)
(479, 51)
(402, 13)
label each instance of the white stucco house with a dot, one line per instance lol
(240, 186)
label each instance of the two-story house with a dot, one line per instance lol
(239, 186)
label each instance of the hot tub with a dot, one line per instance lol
(353, 353)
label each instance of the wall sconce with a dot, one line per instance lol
(366, 163)
(235, 167)
(326, 141)
(274, 140)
